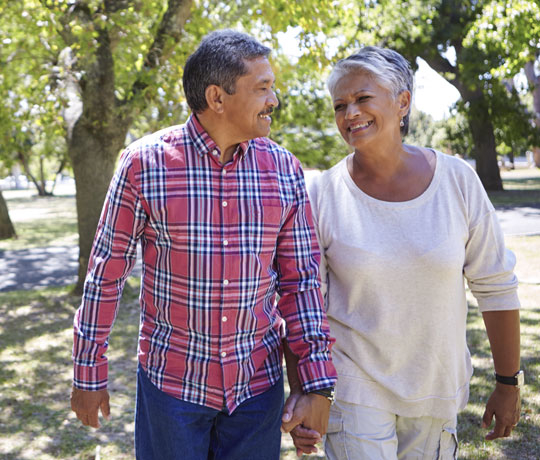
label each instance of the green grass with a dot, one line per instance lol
(521, 187)
(524, 443)
(36, 337)
(41, 221)
(35, 377)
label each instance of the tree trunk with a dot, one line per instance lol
(93, 157)
(98, 124)
(478, 118)
(534, 85)
(487, 166)
(483, 135)
(40, 185)
(6, 226)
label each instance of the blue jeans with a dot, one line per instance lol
(168, 428)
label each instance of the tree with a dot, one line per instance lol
(304, 123)
(6, 226)
(513, 30)
(106, 66)
(31, 134)
(100, 73)
(533, 78)
(425, 131)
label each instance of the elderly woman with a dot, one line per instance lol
(400, 227)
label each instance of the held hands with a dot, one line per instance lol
(305, 416)
(505, 404)
(86, 405)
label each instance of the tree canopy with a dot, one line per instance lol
(80, 78)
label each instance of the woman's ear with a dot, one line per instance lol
(214, 99)
(404, 100)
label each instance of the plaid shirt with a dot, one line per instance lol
(218, 243)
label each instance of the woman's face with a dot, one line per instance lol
(366, 113)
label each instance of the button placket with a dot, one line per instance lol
(225, 243)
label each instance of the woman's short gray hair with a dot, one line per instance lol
(389, 68)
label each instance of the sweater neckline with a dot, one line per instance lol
(420, 199)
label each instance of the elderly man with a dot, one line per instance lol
(225, 226)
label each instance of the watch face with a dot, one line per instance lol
(520, 376)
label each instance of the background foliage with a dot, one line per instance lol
(82, 78)
(497, 40)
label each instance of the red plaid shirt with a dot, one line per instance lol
(218, 243)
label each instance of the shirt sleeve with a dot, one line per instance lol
(113, 256)
(313, 193)
(300, 302)
(489, 265)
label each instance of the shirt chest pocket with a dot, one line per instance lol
(261, 225)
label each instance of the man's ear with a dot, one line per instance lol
(214, 98)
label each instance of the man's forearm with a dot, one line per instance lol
(291, 361)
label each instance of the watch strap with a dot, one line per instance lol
(328, 393)
(510, 380)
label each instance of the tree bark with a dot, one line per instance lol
(534, 84)
(483, 135)
(93, 157)
(96, 139)
(6, 226)
(487, 166)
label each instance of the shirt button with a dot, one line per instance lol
(224, 204)
(224, 319)
(215, 152)
(224, 172)
(225, 243)
(223, 354)
(225, 282)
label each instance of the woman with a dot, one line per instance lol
(400, 227)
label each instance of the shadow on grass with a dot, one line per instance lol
(35, 418)
(38, 267)
(523, 444)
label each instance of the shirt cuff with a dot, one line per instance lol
(90, 378)
(317, 375)
(507, 301)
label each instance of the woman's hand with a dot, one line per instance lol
(505, 404)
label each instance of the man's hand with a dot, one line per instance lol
(310, 410)
(505, 404)
(86, 405)
(304, 439)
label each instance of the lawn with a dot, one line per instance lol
(521, 187)
(36, 337)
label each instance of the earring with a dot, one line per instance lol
(402, 123)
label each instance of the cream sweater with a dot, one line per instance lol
(393, 278)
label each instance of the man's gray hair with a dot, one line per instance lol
(389, 68)
(219, 60)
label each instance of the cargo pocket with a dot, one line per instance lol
(448, 446)
(334, 440)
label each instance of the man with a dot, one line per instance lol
(224, 223)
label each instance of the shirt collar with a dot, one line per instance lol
(204, 144)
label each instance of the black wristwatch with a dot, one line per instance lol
(517, 380)
(329, 393)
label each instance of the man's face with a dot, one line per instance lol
(248, 109)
